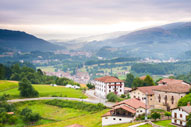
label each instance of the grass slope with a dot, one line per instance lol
(44, 90)
(165, 123)
(6, 85)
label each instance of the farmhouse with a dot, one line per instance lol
(141, 93)
(107, 84)
(124, 112)
(179, 115)
(167, 96)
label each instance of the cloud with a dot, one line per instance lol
(92, 12)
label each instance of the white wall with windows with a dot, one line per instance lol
(179, 117)
(110, 120)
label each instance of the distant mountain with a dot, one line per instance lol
(21, 41)
(160, 42)
(80, 42)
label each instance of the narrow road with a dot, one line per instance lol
(91, 99)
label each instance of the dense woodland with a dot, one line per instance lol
(19, 71)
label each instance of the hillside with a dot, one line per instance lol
(158, 42)
(21, 41)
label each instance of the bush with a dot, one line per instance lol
(90, 86)
(155, 116)
(77, 105)
(12, 120)
(111, 97)
(29, 116)
(168, 114)
(183, 101)
(122, 96)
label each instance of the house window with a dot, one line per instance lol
(140, 110)
(180, 115)
(109, 86)
(180, 122)
(175, 116)
(119, 119)
(120, 90)
(174, 121)
(109, 90)
(159, 98)
(113, 118)
(172, 99)
(106, 118)
(165, 98)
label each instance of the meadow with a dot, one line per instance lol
(44, 90)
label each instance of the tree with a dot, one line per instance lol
(111, 97)
(148, 81)
(184, 100)
(188, 120)
(129, 80)
(137, 82)
(29, 116)
(155, 116)
(90, 86)
(26, 89)
(168, 114)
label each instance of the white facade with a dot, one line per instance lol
(110, 120)
(179, 117)
(102, 88)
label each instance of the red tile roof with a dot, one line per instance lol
(75, 125)
(142, 77)
(134, 103)
(126, 108)
(170, 81)
(107, 114)
(108, 79)
(147, 89)
(174, 88)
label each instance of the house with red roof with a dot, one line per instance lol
(124, 112)
(107, 84)
(141, 93)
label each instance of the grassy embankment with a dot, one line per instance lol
(11, 88)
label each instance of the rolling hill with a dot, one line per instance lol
(160, 42)
(21, 41)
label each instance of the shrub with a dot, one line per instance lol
(29, 116)
(90, 86)
(12, 120)
(77, 105)
(155, 116)
(123, 96)
(167, 114)
(111, 97)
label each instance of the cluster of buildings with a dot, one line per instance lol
(80, 77)
(163, 96)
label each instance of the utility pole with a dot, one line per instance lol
(146, 103)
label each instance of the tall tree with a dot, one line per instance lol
(137, 82)
(26, 89)
(129, 80)
(148, 81)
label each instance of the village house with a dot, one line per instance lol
(167, 96)
(124, 112)
(107, 84)
(141, 93)
(179, 115)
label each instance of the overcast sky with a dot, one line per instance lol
(63, 19)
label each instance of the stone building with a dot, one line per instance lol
(167, 96)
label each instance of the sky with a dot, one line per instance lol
(68, 19)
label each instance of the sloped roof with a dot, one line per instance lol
(170, 81)
(75, 125)
(186, 109)
(134, 103)
(108, 79)
(126, 108)
(174, 88)
(143, 77)
(147, 89)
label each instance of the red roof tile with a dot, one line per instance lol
(170, 81)
(126, 108)
(147, 89)
(174, 88)
(134, 103)
(108, 79)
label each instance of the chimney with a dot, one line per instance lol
(188, 104)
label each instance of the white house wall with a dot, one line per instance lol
(178, 118)
(110, 120)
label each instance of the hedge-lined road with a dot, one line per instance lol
(91, 99)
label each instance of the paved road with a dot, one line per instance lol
(91, 99)
(137, 125)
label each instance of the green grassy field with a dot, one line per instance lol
(165, 123)
(46, 91)
(146, 125)
(6, 85)
(47, 68)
